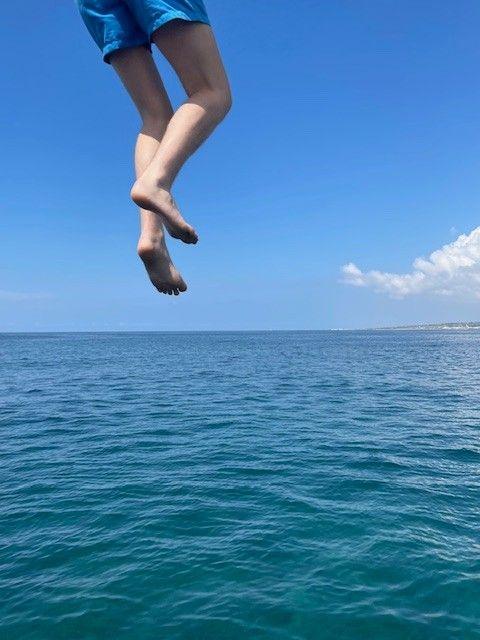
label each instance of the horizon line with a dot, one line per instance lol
(412, 327)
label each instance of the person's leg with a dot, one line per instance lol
(191, 50)
(138, 72)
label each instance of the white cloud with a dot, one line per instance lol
(453, 270)
(17, 296)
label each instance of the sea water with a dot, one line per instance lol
(303, 485)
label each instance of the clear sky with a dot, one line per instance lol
(354, 138)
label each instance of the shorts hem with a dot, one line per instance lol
(119, 46)
(177, 15)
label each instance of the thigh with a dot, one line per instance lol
(191, 49)
(139, 74)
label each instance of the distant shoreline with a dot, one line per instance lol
(459, 326)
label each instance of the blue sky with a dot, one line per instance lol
(354, 138)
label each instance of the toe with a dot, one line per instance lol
(190, 236)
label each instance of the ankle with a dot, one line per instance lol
(149, 241)
(162, 180)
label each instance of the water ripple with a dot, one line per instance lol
(264, 485)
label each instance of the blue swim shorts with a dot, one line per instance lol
(119, 24)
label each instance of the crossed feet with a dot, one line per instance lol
(152, 249)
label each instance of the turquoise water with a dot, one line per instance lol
(240, 485)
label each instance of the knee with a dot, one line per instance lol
(220, 102)
(155, 120)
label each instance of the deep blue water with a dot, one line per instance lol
(240, 485)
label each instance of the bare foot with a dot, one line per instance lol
(147, 194)
(160, 268)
